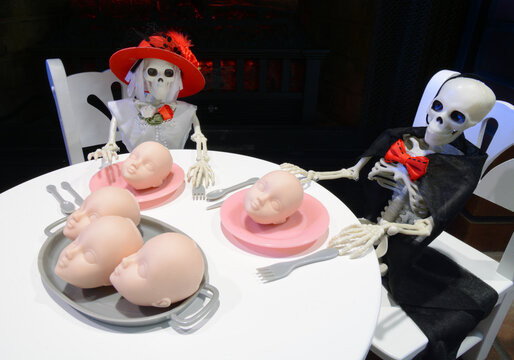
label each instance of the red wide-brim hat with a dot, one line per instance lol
(172, 47)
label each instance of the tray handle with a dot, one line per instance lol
(49, 228)
(194, 321)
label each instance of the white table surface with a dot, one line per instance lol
(324, 311)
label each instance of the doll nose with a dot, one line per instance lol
(125, 263)
(71, 252)
(262, 198)
(77, 215)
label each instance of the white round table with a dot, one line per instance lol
(326, 310)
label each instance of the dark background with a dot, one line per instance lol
(375, 58)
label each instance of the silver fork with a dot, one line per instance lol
(282, 269)
(199, 192)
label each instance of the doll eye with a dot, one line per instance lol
(90, 256)
(142, 270)
(149, 166)
(168, 73)
(93, 216)
(275, 204)
(260, 185)
(151, 71)
(437, 106)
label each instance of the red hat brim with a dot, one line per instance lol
(122, 61)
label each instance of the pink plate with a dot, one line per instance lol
(147, 198)
(303, 231)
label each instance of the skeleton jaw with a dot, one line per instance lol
(159, 91)
(437, 136)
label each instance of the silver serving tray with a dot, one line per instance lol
(107, 305)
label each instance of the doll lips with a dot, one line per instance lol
(255, 205)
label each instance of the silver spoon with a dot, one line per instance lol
(67, 207)
(216, 194)
(78, 199)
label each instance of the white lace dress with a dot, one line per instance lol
(172, 133)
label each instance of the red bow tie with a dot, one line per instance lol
(416, 165)
(166, 112)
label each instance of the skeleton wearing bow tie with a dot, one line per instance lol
(416, 163)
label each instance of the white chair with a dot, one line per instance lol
(396, 335)
(82, 124)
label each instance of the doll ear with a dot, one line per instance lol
(164, 302)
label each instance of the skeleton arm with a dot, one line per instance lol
(201, 170)
(358, 238)
(110, 150)
(350, 173)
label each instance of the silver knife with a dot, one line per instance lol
(216, 205)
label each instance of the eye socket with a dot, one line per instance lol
(168, 72)
(151, 71)
(458, 117)
(90, 256)
(437, 105)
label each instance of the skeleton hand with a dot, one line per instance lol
(201, 171)
(296, 170)
(357, 239)
(108, 152)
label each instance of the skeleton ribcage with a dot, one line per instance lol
(407, 203)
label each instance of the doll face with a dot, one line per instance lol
(273, 197)
(168, 268)
(88, 261)
(105, 201)
(147, 166)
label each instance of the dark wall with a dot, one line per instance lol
(381, 54)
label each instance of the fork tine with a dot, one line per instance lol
(198, 192)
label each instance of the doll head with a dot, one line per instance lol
(147, 166)
(168, 268)
(109, 200)
(89, 260)
(273, 198)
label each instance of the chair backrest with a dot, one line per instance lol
(82, 123)
(497, 186)
(497, 141)
(433, 86)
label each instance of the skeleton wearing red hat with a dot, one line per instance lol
(159, 70)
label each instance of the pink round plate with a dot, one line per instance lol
(303, 231)
(147, 198)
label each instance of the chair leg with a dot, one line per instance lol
(490, 327)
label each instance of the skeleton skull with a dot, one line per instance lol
(159, 77)
(460, 104)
